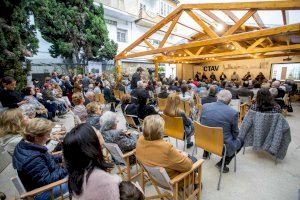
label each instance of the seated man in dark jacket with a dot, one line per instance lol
(164, 92)
(211, 95)
(35, 166)
(109, 96)
(244, 91)
(140, 90)
(220, 114)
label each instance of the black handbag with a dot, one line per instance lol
(290, 108)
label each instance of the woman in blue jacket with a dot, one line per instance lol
(35, 166)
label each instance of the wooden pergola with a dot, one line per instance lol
(236, 41)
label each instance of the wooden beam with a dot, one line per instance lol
(235, 53)
(188, 52)
(206, 29)
(199, 51)
(261, 25)
(258, 20)
(161, 44)
(214, 17)
(256, 43)
(288, 29)
(238, 46)
(182, 24)
(231, 15)
(156, 27)
(264, 5)
(149, 44)
(284, 17)
(181, 36)
(240, 22)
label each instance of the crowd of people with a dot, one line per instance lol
(28, 119)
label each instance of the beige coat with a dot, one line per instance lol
(163, 154)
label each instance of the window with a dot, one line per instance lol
(286, 71)
(165, 9)
(154, 42)
(111, 22)
(122, 35)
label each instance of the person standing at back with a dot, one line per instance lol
(136, 77)
(85, 83)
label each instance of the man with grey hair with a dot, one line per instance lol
(281, 92)
(89, 97)
(139, 91)
(220, 114)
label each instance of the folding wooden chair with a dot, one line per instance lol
(31, 194)
(161, 103)
(211, 139)
(199, 108)
(122, 161)
(160, 179)
(243, 111)
(174, 128)
(132, 122)
(5, 159)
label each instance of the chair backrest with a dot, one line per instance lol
(130, 120)
(235, 104)
(101, 98)
(116, 93)
(160, 176)
(161, 103)
(5, 159)
(18, 184)
(209, 138)
(116, 152)
(181, 106)
(187, 108)
(243, 110)
(174, 127)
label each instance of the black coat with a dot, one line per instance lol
(108, 95)
(139, 92)
(135, 78)
(35, 166)
(163, 95)
(10, 98)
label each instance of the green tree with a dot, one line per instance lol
(17, 39)
(76, 29)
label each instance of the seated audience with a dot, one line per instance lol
(35, 166)
(138, 91)
(89, 97)
(281, 92)
(211, 95)
(128, 191)
(127, 107)
(40, 109)
(12, 126)
(125, 140)
(220, 114)
(88, 170)
(79, 108)
(109, 96)
(256, 87)
(97, 89)
(172, 110)
(265, 102)
(185, 95)
(233, 90)
(163, 93)
(143, 109)
(48, 97)
(94, 113)
(244, 91)
(9, 97)
(152, 150)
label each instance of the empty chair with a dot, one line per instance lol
(160, 179)
(122, 160)
(161, 103)
(174, 128)
(132, 121)
(211, 139)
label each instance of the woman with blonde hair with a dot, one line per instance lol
(12, 126)
(79, 108)
(152, 150)
(172, 110)
(35, 166)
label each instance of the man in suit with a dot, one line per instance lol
(220, 114)
(136, 77)
(139, 91)
(244, 91)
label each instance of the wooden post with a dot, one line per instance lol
(118, 70)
